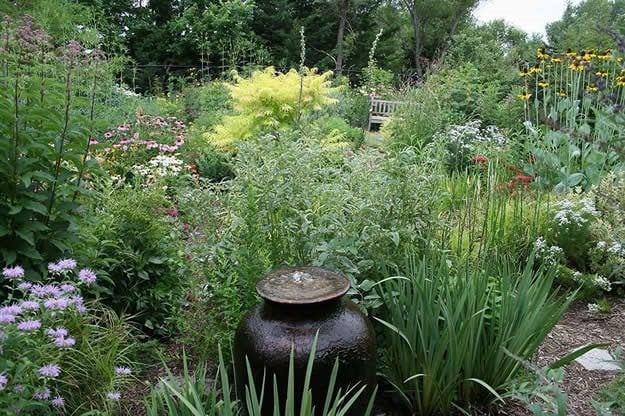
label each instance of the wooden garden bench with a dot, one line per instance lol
(380, 110)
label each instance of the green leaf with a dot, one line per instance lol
(35, 206)
(30, 253)
(4, 230)
(27, 236)
(15, 209)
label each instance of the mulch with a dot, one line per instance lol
(579, 327)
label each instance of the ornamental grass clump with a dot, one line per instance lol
(452, 329)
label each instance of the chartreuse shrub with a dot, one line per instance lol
(268, 101)
(45, 140)
(129, 240)
(192, 395)
(60, 355)
(453, 328)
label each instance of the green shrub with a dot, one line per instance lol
(206, 104)
(129, 239)
(451, 328)
(335, 130)
(298, 202)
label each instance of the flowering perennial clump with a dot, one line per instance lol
(34, 338)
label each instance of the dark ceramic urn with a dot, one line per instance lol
(298, 302)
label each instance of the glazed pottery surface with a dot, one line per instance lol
(313, 303)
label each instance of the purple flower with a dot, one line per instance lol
(6, 318)
(11, 309)
(56, 304)
(62, 342)
(50, 371)
(42, 394)
(81, 309)
(87, 276)
(24, 286)
(29, 305)
(113, 395)
(67, 264)
(3, 381)
(18, 388)
(16, 272)
(57, 332)
(58, 401)
(31, 325)
(54, 268)
(122, 371)
(67, 288)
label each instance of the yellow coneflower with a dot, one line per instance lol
(607, 54)
(543, 84)
(556, 59)
(525, 96)
(619, 59)
(602, 74)
(542, 54)
(536, 69)
(592, 88)
(569, 52)
(590, 54)
(524, 73)
(577, 66)
(561, 94)
(620, 81)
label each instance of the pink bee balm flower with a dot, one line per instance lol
(113, 395)
(28, 326)
(50, 371)
(87, 276)
(16, 272)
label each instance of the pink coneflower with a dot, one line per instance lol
(108, 135)
(123, 127)
(93, 141)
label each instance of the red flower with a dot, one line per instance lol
(172, 212)
(480, 159)
(524, 179)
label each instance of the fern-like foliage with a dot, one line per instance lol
(268, 100)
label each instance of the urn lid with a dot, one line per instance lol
(302, 285)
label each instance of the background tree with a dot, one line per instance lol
(434, 23)
(582, 25)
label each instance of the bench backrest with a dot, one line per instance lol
(383, 107)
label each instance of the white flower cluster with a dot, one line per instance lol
(602, 283)
(548, 254)
(160, 166)
(594, 308)
(471, 137)
(575, 213)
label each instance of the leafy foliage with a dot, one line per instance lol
(269, 101)
(47, 141)
(128, 239)
(449, 326)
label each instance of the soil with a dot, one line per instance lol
(578, 327)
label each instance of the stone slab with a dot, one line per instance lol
(598, 359)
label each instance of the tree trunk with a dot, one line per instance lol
(343, 6)
(418, 42)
